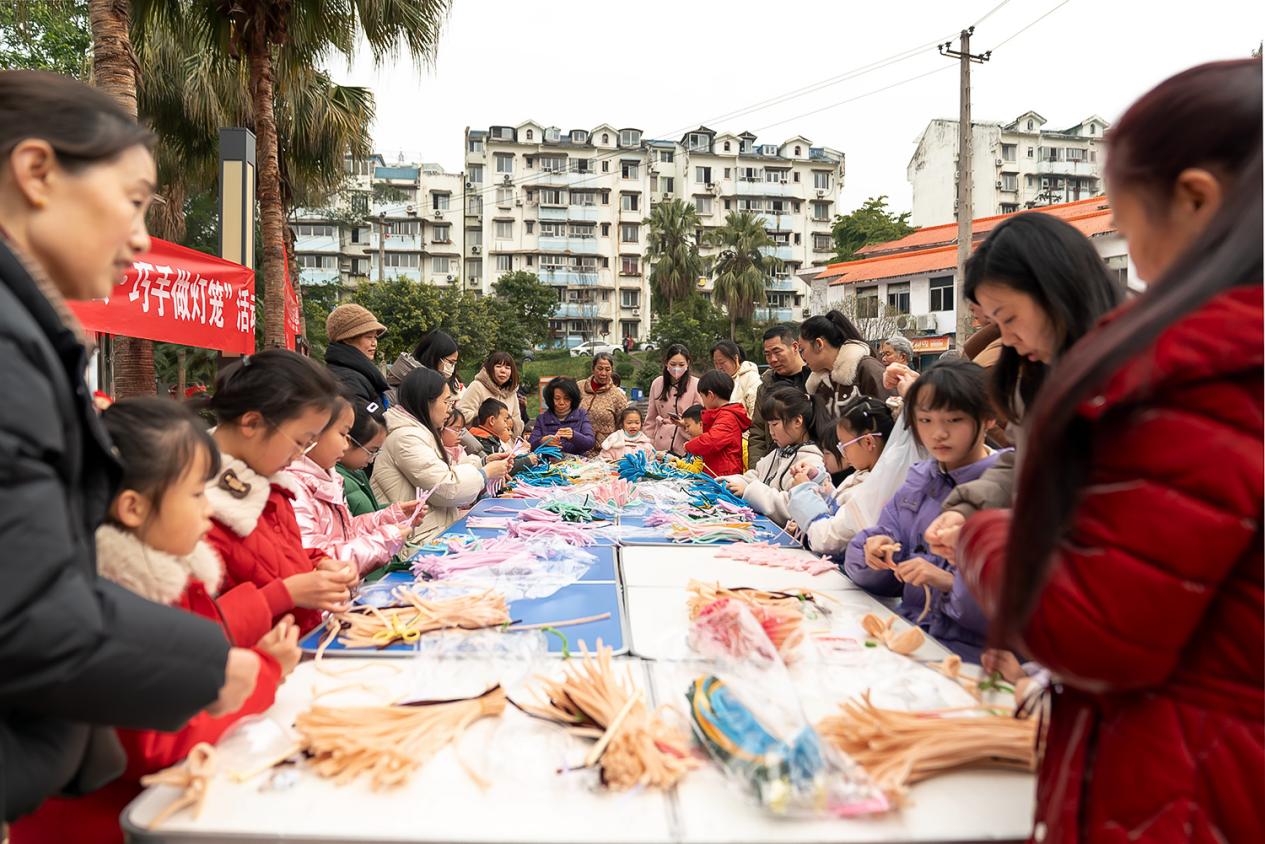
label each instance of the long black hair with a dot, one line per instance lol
(683, 382)
(277, 384)
(416, 393)
(433, 348)
(835, 328)
(1208, 116)
(157, 440)
(1045, 258)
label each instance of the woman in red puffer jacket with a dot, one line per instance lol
(1132, 563)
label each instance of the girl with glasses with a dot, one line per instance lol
(367, 433)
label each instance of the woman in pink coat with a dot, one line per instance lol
(671, 394)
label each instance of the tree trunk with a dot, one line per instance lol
(114, 72)
(733, 324)
(272, 215)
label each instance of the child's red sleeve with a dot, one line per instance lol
(718, 439)
(248, 610)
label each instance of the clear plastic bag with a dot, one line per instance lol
(748, 717)
(538, 569)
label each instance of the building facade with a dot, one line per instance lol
(1015, 166)
(571, 207)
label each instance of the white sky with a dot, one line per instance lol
(664, 66)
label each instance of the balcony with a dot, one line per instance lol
(572, 245)
(307, 243)
(408, 273)
(762, 188)
(396, 242)
(773, 314)
(576, 213)
(309, 275)
(568, 278)
(583, 310)
(566, 178)
(781, 284)
(782, 253)
(1066, 168)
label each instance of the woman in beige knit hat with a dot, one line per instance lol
(353, 341)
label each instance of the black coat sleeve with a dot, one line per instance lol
(73, 646)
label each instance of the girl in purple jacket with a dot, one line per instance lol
(563, 422)
(948, 412)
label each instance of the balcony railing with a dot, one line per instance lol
(773, 314)
(783, 284)
(574, 245)
(568, 278)
(313, 275)
(782, 253)
(583, 310)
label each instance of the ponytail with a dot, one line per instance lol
(834, 328)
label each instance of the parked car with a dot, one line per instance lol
(594, 347)
(648, 346)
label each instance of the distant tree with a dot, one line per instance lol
(407, 308)
(526, 307)
(742, 269)
(672, 251)
(50, 35)
(871, 223)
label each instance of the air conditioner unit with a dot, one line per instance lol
(711, 186)
(905, 322)
(474, 250)
(438, 215)
(519, 202)
(505, 180)
(666, 196)
(806, 313)
(469, 185)
(820, 194)
(450, 277)
(409, 209)
(999, 162)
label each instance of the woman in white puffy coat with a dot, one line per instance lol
(728, 358)
(412, 457)
(766, 487)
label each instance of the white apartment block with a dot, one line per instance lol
(1015, 166)
(571, 207)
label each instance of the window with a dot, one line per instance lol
(776, 176)
(1009, 182)
(439, 201)
(581, 231)
(314, 231)
(553, 229)
(606, 166)
(796, 177)
(702, 175)
(699, 142)
(726, 204)
(552, 197)
(628, 169)
(1074, 154)
(629, 201)
(748, 174)
(439, 264)
(606, 229)
(529, 134)
(821, 180)
(1009, 207)
(629, 232)
(355, 235)
(667, 184)
(1029, 125)
(1008, 152)
(504, 263)
(474, 237)
(504, 162)
(606, 139)
(504, 196)
(580, 165)
(474, 269)
(1093, 156)
(404, 228)
(318, 262)
(821, 243)
(703, 204)
(583, 197)
(504, 229)
(474, 173)
(821, 210)
(474, 204)
(665, 156)
(898, 297)
(1029, 152)
(867, 303)
(441, 234)
(941, 293)
(552, 163)
(797, 152)
(474, 145)
(400, 259)
(530, 225)
(628, 265)
(726, 172)
(629, 137)
(630, 298)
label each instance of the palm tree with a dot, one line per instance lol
(742, 270)
(304, 32)
(673, 248)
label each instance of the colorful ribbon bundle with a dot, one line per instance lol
(614, 494)
(764, 554)
(780, 615)
(572, 534)
(465, 555)
(373, 627)
(707, 530)
(638, 467)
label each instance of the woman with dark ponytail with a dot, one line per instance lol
(1132, 563)
(843, 366)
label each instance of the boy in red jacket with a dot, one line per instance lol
(720, 444)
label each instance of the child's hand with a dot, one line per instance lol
(1004, 663)
(803, 472)
(241, 671)
(282, 644)
(879, 550)
(736, 485)
(942, 535)
(920, 572)
(321, 590)
(791, 527)
(408, 507)
(899, 377)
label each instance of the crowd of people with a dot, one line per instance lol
(1076, 497)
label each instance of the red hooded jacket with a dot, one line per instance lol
(720, 444)
(1153, 614)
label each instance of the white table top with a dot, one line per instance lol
(677, 565)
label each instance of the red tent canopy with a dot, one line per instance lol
(173, 294)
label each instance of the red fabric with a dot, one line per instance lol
(720, 444)
(1153, 614)
(271, 552)
(95, 817)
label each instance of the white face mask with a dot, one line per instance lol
(677, 371)
(446, 369)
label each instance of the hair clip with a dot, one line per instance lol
(245, 361)
(372, 407)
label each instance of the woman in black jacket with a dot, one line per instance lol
(353, 342)
(78, 655)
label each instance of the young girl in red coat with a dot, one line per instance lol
(152, 544)
(271, 409)
(720, 444)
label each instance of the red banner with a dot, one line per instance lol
(173, 294)
(292, 309)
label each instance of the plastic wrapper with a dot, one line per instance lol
(748, 717)
(534, 568)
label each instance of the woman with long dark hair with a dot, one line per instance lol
(670, 395)
(1132, 563)
(79, 653)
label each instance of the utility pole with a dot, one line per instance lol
(382, 245)
(966, 210)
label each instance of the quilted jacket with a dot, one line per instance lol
(603, 410)
(720, 444)
(1153, 613)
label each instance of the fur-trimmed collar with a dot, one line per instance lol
(238, 494)
(843, 372)
(152, 574)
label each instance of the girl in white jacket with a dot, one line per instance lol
(412, 457)
(789, 413)
(728, 358)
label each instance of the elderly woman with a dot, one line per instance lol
(897, 349)
(602, 399)
(353, 343)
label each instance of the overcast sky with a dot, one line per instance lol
(665, 66)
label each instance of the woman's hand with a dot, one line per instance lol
(282, 644)
(899, 377)
(803, 472)
(496, 469)
(920, 572)
(565, 433)
(240, 673)
(322, 590)
(942, 535)
(1004, 663)
(879, 550)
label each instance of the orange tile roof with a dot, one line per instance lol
(935, 248)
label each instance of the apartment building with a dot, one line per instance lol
(1015, 166)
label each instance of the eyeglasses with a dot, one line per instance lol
(371, 452)
(303, 449)
(842, 446)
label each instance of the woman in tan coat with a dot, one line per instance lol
(498, 379)
(601, 399)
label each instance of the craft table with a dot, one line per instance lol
(677, 565)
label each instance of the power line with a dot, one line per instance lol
(989, 13)
(1015, 35)
(857, 97)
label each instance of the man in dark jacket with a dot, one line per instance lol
(786, 368)
(78, 655)
(353, 342)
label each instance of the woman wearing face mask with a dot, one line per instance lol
(1131, 563)
(79, 654)
(670, 394)
(601, 399)
(438, 351)
(497, 379)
